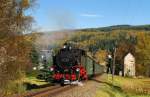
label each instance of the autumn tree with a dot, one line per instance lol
(143, 54)
(14, 49)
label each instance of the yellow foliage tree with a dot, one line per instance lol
(14, 48)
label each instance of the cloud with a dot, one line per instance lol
(91, 15)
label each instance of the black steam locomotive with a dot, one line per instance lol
(71, 64)
(67, 65)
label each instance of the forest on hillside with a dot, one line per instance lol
(100, 43)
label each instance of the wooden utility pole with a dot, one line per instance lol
(113, 65)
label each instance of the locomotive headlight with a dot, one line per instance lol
(34, 68)
(51, 69)
(78, 69)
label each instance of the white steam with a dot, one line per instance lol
(63, 22)
(48, 40)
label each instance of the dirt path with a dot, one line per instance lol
(88, 89)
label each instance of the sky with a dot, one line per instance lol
(53, 15)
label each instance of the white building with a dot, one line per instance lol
(129, 65)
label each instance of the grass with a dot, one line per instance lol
(21, 86)
(124, 87)
(34, 80)
(31, 83)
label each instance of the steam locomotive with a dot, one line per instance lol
(67, 65)
(71, 64)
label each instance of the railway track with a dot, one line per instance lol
(47, 92)
(52, 93)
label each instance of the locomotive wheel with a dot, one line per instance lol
(62, 82)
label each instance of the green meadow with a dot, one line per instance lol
(124, 87)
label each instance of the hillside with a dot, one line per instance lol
(119, 27)
(125, 38)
